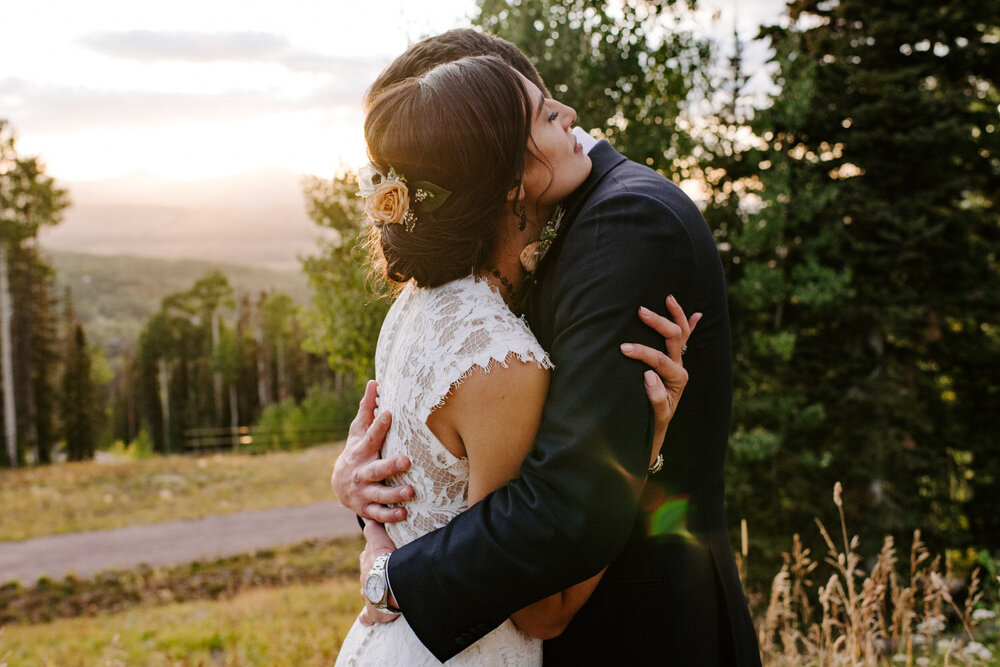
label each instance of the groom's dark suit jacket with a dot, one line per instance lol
(629, 238)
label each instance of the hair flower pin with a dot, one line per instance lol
(388, 200)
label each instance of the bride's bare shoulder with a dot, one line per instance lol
(492, 417)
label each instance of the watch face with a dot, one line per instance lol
(374, 588)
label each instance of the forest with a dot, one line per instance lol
(854, 203)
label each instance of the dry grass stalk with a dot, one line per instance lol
(870, 618)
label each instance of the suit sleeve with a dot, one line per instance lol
(572, 507)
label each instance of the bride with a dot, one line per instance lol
(469, 164)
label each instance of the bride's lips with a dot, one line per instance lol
(578, 148)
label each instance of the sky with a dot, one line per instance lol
(195, 89)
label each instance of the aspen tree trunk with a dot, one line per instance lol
(6, 350)
(216, 374)
(263, 370)
(164, 376)
(282, 383)
(234, 416)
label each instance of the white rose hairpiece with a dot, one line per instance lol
(388, 200)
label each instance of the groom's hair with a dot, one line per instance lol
(448, 47)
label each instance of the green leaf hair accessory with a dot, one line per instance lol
(427, 197)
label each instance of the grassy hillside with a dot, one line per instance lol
(49, 500)
(114, 295)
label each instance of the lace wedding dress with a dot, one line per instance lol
(431, 339)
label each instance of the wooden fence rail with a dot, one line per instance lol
(254, 438)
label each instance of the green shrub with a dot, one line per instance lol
(140, 448)
(321, 417)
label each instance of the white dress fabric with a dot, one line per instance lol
(430, 341)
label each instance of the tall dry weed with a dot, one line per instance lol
(856, 617)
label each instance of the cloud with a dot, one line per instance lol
(150, 46)
(56, 108)
(204, 47)
(335, 81)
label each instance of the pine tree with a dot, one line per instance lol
(37, 349)
(865, 289)
(29, 199)
(79, 399)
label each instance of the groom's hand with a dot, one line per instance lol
(359, 472)
(377, 542)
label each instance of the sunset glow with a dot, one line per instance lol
(200, 89)
(195, 89)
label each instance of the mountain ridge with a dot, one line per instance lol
(255, 218)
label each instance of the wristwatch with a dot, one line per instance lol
(377, 586)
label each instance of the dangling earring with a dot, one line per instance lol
(523, 217)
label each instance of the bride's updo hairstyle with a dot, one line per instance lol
(463, 126)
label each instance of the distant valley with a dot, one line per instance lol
(126, 243)
(114, 295)
(258, 218)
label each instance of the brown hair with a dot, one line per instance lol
(448, 47)
(465, 127)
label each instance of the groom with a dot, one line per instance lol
(671, 593)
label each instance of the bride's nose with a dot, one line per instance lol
(568, 115)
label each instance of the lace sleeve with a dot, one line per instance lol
(475, 329)
(430, 342)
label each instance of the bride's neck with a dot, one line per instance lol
(504, 271)
(506, 278)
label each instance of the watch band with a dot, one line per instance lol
(378, 582)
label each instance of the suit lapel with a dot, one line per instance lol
(603, 160)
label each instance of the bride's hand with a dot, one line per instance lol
(666, 382)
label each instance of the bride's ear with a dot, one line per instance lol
(515, 194)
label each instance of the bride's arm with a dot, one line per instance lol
(494, 418)
(548, 617)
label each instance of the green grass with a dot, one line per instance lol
(302, 624)
(85, 496)
(116, 591)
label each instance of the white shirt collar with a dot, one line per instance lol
(585, 139)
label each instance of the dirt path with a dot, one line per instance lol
(173, 542)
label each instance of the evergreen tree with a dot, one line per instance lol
(864, 290)
(36, 350)
(79, 399)
(28, 199)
